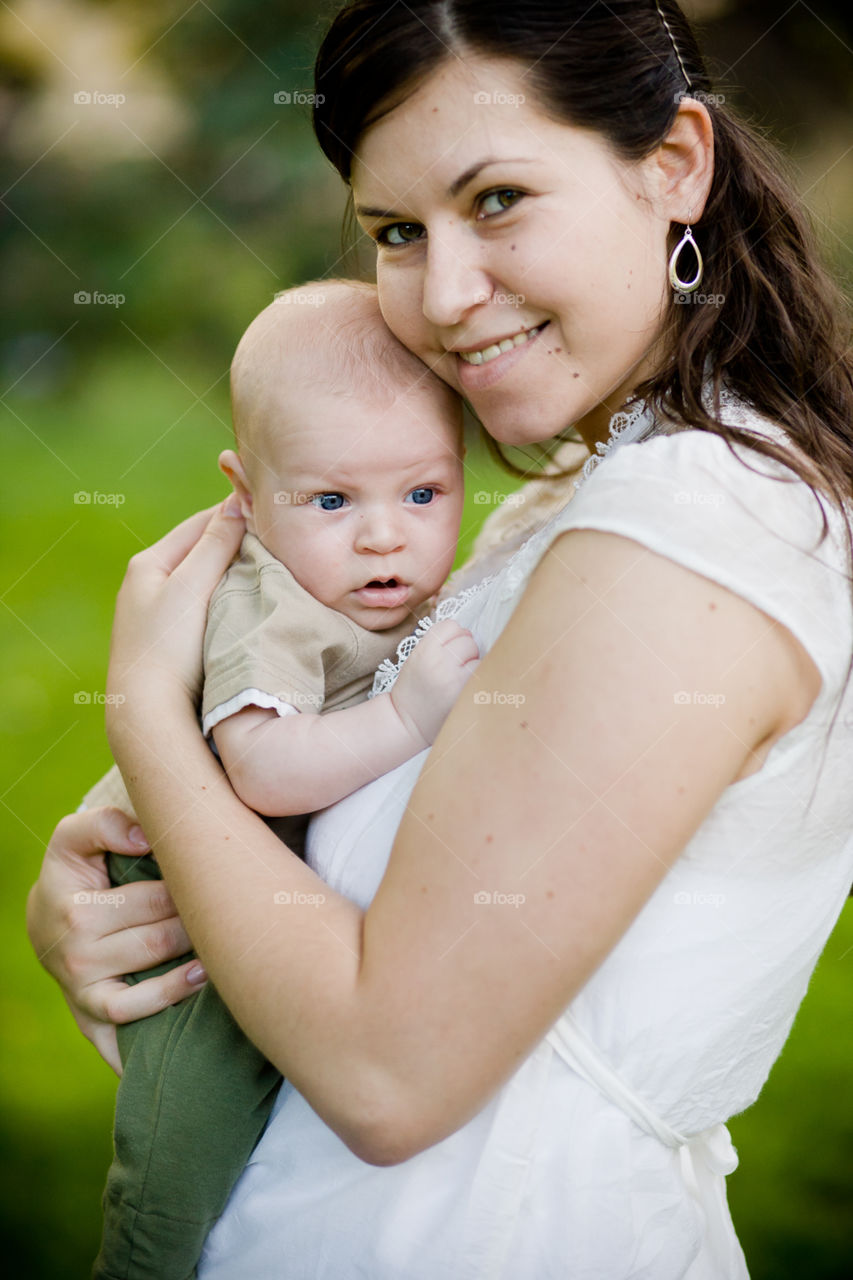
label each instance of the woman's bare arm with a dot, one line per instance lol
(398, 1024)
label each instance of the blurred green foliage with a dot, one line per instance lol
(196, 199)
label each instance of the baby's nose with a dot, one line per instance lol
(379, 531)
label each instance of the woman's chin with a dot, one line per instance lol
(517, 432)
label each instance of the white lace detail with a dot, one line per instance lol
(626, 426)
(388, 669)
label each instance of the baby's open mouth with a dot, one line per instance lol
(386, 593)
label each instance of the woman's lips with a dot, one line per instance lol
(378, 595)
(478, 377)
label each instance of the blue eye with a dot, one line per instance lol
(328, 501)
(421, 497)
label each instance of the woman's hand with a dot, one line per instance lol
(87, 944)
(155, 657)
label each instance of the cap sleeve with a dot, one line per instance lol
(742, 520)
(266, 633)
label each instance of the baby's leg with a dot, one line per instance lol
(193, 1100)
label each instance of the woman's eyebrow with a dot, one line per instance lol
(458, 184)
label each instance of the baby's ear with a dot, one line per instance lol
(231, 466)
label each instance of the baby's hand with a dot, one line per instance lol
(432, 677)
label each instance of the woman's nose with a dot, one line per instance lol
(454, 280)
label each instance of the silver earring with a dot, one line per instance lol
(679, 285)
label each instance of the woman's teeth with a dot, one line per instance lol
(498, 348)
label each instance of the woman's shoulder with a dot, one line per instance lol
(747, 480)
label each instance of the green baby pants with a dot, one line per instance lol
(191, 1105)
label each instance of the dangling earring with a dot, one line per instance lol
(679, 285)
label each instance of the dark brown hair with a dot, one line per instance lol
(780, 339)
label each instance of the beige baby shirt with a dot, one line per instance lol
(269, 643)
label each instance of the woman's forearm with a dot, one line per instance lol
(265, 926)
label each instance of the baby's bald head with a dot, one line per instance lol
(328, 335)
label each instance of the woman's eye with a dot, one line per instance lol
(328, 501)
(399, 233)
(421, 497)
(498, 201)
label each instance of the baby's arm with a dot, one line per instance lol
(281, 765)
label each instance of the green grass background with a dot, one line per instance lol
(132, 401)
(62, 564)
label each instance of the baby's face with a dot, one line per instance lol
(362, 502)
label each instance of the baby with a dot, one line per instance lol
(349, 473)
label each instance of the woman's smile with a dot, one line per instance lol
(483, 367)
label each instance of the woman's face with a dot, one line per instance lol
(516, 255)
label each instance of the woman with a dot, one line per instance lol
(512, 1039)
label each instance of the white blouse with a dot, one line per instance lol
(603, 1157)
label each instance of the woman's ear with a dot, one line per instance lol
(231, 466)
(685, 163)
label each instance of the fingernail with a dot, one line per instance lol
(231, 507)
(136, 836)
(197, 975)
